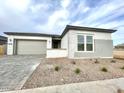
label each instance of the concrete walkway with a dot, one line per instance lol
(14, 70)
(104, 86)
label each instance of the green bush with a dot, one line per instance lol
(113, 61)
(77, 70)
(57, 68)
(104, 69)
(122, 67)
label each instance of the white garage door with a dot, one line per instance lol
(31, 47)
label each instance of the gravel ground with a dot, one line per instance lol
(45, 74)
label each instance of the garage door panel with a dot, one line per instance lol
(31, 47)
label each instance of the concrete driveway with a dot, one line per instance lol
(15, 70)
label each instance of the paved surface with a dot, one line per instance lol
(15, 70)
(104, 86)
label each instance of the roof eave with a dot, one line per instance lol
(69, 27)
(30, 34)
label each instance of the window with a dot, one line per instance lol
(89, 43)
(80, 43)
(85, 43)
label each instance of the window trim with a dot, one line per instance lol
(81, 43)
(85, 42)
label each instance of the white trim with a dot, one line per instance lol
(93, 44)
(85, 44)
(85, 35)
(85, 51)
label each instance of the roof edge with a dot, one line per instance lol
(70, 27)
(30, 34)
(67, 28)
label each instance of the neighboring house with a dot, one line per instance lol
(3, 41)
(119, 46)
(74, 42)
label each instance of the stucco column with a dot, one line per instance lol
(49, 43)
(10, 46)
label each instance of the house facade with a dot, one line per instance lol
(74, 42)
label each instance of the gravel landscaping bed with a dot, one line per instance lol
(64, 71)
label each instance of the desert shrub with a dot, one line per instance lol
(57, 68)
(104, 69)
(120, 91)
(113, 61)
(90, 59)
(122, 67)
(73, 62)
(77, 70)
(96, 61)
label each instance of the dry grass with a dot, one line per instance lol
(118, 54)
(45, 74)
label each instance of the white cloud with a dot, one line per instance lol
(102, 11)
(81, 9)
(36, 8)
(58, 18)
(17, 5)
(65, 3)
(26, 15)
(77, 23)
(112, 24)
(57, 15)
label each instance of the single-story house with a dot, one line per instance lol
(74, 42)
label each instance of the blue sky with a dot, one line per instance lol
(51, 16)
